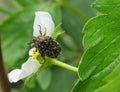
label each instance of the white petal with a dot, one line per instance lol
(31, 51)
(29, 67)
(13, 76)
(45, 21)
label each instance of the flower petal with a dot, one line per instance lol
(43, 21)
(29, 67)
(31, 51)
(13, 76)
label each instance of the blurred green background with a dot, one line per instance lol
(16, 26)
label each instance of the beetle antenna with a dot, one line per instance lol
(45, 32)
(40, 30)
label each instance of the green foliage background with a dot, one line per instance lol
(97, 47)
(16, 31)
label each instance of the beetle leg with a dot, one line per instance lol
(43, 56)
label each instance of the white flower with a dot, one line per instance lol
(46, 23)
(29, 67)
(43, 21)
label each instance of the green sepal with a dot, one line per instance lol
(57, 31)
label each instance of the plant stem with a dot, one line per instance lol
(4, 84)
(61, 64)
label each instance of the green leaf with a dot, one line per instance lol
(17, 31)
(101, 42)
(5, 9)
(96, 81)
(106, 6)
(102, 48)
(113, 81)
(44, 78)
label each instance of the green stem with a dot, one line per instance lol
(61, 64)
(77, 12)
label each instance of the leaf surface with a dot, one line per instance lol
(102, 49)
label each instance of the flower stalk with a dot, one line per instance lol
(63, 65)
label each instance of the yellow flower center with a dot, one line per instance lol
(34, 54)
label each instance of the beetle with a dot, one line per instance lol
(46, 45)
